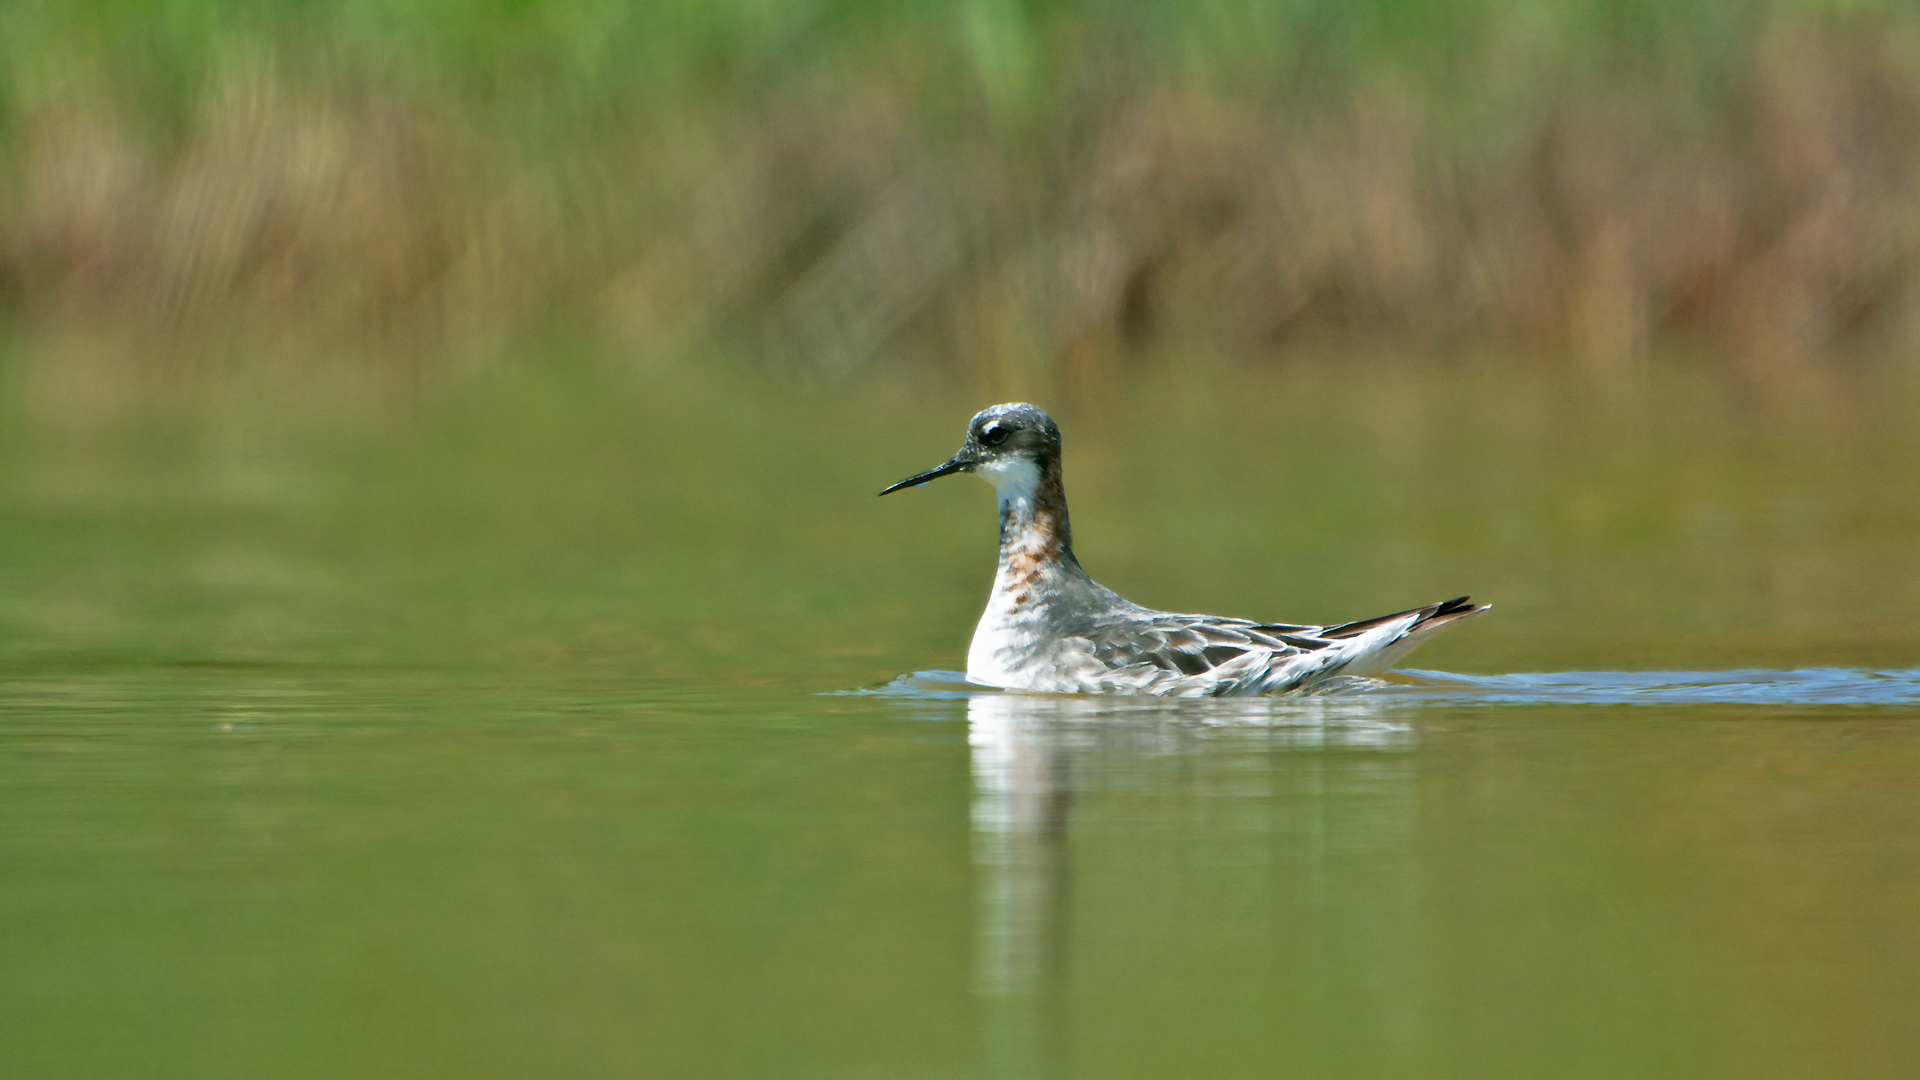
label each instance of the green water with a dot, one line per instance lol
(496, 730)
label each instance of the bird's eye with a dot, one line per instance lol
(994, 434)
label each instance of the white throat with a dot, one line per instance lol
(1017, 481)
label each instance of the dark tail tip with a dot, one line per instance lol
(1457, 607)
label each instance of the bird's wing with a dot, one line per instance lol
(1194, 644)
(1242, 656)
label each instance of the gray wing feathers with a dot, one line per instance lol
(1165, 653)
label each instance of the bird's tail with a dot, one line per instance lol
(1400, 633)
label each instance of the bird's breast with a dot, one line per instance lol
(1022, 640)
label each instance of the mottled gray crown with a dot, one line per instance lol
(1013, 428)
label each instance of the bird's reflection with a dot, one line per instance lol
(1022, 804)
(1031, 755)
(1022, 800)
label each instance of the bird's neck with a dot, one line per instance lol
(1034, 533)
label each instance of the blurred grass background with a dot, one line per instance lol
(1041, 196)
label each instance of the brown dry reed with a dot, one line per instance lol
(1748, 201)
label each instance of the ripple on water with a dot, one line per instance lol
(1810, 686)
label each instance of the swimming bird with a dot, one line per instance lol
(1049, 627)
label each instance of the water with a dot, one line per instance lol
(531, 740)
(1411, 687)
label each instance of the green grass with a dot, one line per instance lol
(1061, 188)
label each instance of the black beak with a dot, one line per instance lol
(960, 463)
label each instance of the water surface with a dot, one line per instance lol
(482, 740)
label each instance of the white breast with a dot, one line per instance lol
(1007, 640)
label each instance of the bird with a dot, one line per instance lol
(1049, 627)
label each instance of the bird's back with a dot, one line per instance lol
(1082, 638)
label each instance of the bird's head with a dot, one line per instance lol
(1008, 445)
